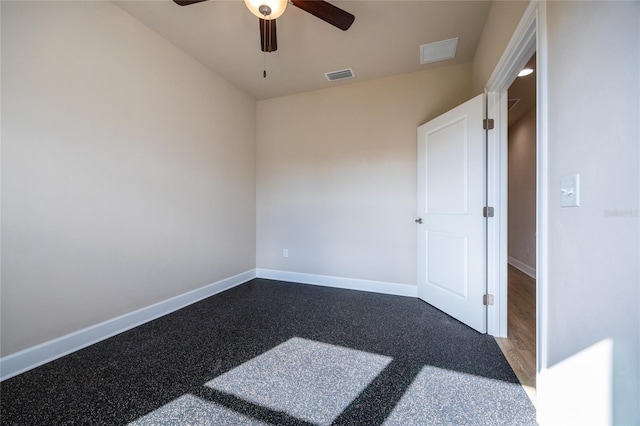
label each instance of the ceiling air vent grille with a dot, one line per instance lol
(339, 75)
(438, 51)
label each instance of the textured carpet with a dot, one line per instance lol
(269, 352)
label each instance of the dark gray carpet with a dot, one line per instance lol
(270, 352)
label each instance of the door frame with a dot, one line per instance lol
(530, 36)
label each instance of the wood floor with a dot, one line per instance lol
(520, 345)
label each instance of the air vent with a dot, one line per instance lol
(511, 103)
(339, 75)
(438, 51)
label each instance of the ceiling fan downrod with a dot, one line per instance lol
(266, 12)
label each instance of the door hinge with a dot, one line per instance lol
(487, 299)
(487, 211)
(487, 124)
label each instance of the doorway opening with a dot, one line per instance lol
(519, 347)
(529, 38)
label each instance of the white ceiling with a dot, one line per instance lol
(383, 41)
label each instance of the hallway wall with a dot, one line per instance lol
(522, 193)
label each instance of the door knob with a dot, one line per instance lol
(419, 220)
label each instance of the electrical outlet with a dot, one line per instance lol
(285, 253)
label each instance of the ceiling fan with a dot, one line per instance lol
(268, 10)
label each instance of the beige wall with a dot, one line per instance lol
(336, 175)
(591, 318)
(522, 191)
(593, 285)
(127, 170)
(504, 17)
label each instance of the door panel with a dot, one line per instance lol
(450, 201)
(446, 169)
(447, 261)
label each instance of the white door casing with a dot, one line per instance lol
(451, 194)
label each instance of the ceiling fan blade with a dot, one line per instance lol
(268, 39)
(187, 2)
(327, 12)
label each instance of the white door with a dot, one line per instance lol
(451, 193)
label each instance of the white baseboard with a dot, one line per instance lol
(339, 282)
(25, 360)
(33, 357)
(522, 266)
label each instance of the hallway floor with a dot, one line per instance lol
(520, 346)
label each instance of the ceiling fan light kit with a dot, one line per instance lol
(266, 9)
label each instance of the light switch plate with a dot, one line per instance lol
(570, 191)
